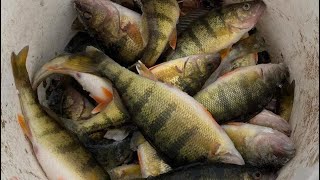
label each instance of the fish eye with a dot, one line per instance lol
(246, 6)
(257, 175)
(87, 15)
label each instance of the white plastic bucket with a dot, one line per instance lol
(289, 27)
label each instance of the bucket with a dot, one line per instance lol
(290, 29)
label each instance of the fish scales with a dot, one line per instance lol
(55, 149)
(161, 18)
(175, 131)
(218, 29)
(242, 91)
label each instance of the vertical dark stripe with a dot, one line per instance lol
(160, 17)
(161, 119)
(224, 101)
(194, 39)
(136, 107)
(207, 27)
(173, 150)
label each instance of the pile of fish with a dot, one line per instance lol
(159, 89)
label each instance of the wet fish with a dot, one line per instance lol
(111, 154)
(100, 89)
(242, 54)
(268, 119)
(160, 19)
(218, 172)
(125, 172)
(188, 73)
(75, 106)
(260, 146)
(242, 91)
(150, 162)
(218, 29)
(60, 154)
(247, 60)
(173, 129)
(118, 27)
(286, 100)
(115, 114)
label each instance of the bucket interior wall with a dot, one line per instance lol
(290, 29)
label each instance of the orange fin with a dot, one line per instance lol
(99, 108)
(107, 93)
(173, 39)
(224, 53)
(24, 126)
(144, 71)
(133, 32)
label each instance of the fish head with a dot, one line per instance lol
(274, 74)
(261, 174)
(99, 15)
(272, 148)
(243, 16)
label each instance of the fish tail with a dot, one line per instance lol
(18, 63)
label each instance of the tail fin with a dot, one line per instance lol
(18, 63)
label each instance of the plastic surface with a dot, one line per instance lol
(289, 27)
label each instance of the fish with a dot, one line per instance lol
(260, 146)
(110, 154)
(185, 21)
(63, 97)
(119, 28)
(218, 29)
(115, 114)
(188, 74)
(59, 153)
(75, 106)
(166, 116)
(125, 172)
(286, 100)
(150, 162)
(242, 54)
(100, 89)
(243, 91)
(159, 21)
(218, 172)
(247, 60)
(269, 119)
